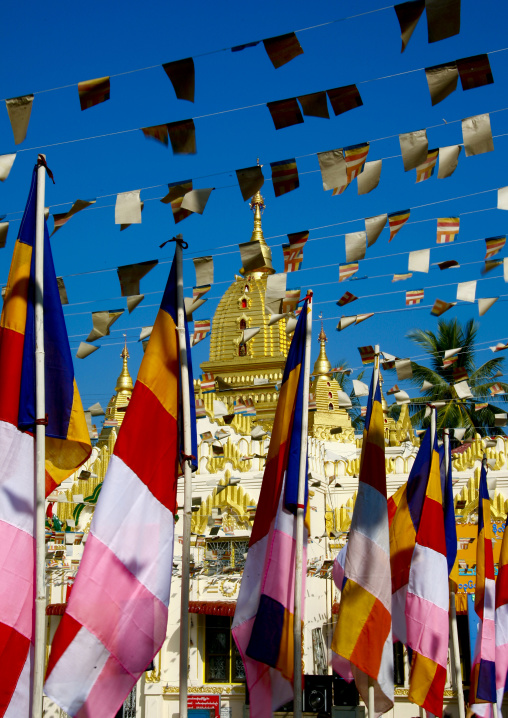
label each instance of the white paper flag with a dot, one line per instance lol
(463, 390)
(374, 226)
(414, 147)
(369, 178)
(196, 199)
(360, 388)
(419, 261)
(85, 350)
(485, 304)
(343, 400)
(355, 246)
(477, 135)
(6, 162)
(452, 352)
(128, 208)
(19, 110)
(466, 291)
(403, 368)
(402, 397)
(333, 169)
(448, 160)
(505, 269)
(502, 197)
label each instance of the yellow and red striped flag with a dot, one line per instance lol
(346, 298)
(447, 229)
(207, 382)
(496, 389)
(414, 296)
(441, 307)
(393, 390)
(397, 220)
(290, 301)
(347, 270)
(355, 157)
(494, 245)
(284, 176)
(449, 361)
(426, 169)
(459, 374)
(201, 329)
(293, 258)
(198, 292)
(479, 407)
(401, 277)
(367, 354)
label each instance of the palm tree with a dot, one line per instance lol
(456, 412)
(343, 375)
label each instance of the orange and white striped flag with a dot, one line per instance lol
(397, 220)
(426, 169)
(494, 245)
(414, 296)
(441, 307)
(347, 270)
(447, 229)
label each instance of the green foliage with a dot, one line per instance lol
(461, 412)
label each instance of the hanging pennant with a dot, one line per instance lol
(447, 229)
(284, 177)
(354, 156)
(196, 200)
(441, 307)
(333, 169)
(252, 255)
(369, 178)
(85, 350)
(491, 264)
(419, 261)
(275, 291)
(182, 135)
(200, 409)
(466, 291)
(62, 291)
(475, 72)
(201, 329)
(459, 374)
(408, 14)
(293, 258)
(198, 292)
(145, 333)
(355, 246)
(282, 49)
(343, 99)
(239, 48)
(448, 160)
(426, 169)
(158, 133)
(78, 206)
(367, 354)
(442, 81)
(19, 110)
(397, 220)
(404, 369)
(4, 228)
(133, 301)
(449, 264)
(415, 296)
(346, 298)
(191, 305)
(285, 113)
(177, 191)
(6, 162)
(130, 276)
(204, 270)
(315, 105)
(248, 334)
(443, 19)
(496, 389)
(502, 198)
(414, 147)
(290, 301)
(374, 226)
(494, 245)
(128, 208)
(208, 383)
(182, 76)
(477, 135)
(102, 322)
(250, 180)
(485, 304)
(401, 277)
(123, 227)
(346, 271)
(93, 92)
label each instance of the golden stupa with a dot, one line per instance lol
(117, 405)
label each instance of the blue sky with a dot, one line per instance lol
(53, 45)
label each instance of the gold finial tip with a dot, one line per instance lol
(257, 200)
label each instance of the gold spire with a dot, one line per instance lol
(124, 382)
(257, 204)
(322, 365)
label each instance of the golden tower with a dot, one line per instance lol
(118, 403)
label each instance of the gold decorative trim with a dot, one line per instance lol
(225, 690)
(155, 675)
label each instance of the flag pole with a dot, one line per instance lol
(300, 517)
(187, 500)
(371, 695)
(40, 454)
(454, 633)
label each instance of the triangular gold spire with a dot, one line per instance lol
(124, 382)
(257, 204)
(322, 365)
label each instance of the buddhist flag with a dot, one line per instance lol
(208, 383)
(346, 271)
(355, 157)
(346, 298)
(200, 409)
(158, 133)
(201, 329)
(67, 446)
(198, 292)
(494, 245)
(475, 72)
(78, 206)
(182, 136)
(414, 297)
(284, 176)
(177, 191)
(182, 76)
(290, 301)
(263, 623)
(293, 252)
(483, 670)
(447, 229)
(402, 277)
(501, 621)
(427, 167)
(459, 374)
(285, 113)
(362, 642)
(343, 99)
(441, 307)
(397, 220)
(367, 354)
(93, 92)
(282, 49)
(117, 612)
(427, 598)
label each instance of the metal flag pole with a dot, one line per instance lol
(300, 517)
(454, 633)
(40, 454)
(187, 496)
(371, 696)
